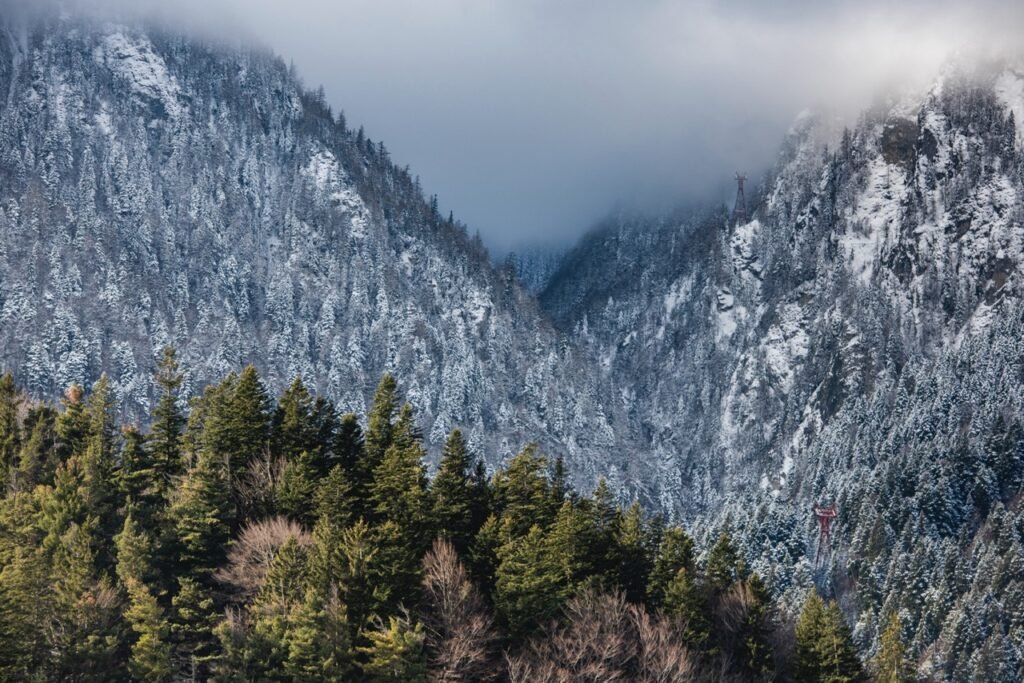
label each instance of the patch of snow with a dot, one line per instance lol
(874, 219)
(134, 60)
(743, 257)
(676, 294)
(327, 176)
(785, 342)
(1009, 89)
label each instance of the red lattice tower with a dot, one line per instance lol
(739, 210)
(825, 515)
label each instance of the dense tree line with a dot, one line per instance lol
(252, 539)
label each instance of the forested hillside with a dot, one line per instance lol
(245, 538)
(157, 189)
(857, 341)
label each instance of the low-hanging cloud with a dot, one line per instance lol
(531, 119)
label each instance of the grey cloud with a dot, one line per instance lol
(530, 119)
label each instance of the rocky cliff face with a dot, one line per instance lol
(857, 341)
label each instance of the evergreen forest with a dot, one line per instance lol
(242, 538)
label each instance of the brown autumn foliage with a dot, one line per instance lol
(460, 632)
(250, 556)
(604, 638)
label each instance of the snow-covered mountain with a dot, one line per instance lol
(157, 190)
(860, 340)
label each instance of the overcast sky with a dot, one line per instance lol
(532, 119)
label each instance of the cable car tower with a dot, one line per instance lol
(739, 209)
(825, 515)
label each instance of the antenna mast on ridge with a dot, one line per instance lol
(739, 211)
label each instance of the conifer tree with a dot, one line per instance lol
(193, 622)
(203, 514)
(334, 500)
(824, 648)
(294, 495)
(348, 444)
(86, 635)
(168, 421)
(675, 552)
(891, 664)
(684, 601)
(10, 429)
(245, 429)
(452, 494)
(529, 584)
(379, 430)
(151, 652)
(294, 429)
(575, 545)
(724, 566)
(522, 495)
(753, 632)
(399, 487)
(98, 466)
(633, 544)
(139, 482)
(24, 589)
(316, 640)
(72, 425)
(287, 577)
(395, 653)
(37, 461)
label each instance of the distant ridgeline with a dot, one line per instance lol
(252, 539)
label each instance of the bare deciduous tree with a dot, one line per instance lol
(606, 639)
(460, 632)
(257, 485)
(661, 658)
(250, 556)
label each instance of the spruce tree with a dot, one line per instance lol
(379, 430)
(150, 658)
(891, 664)
(38, 460)
(400, 503)
(529, 583)
(168, 422)
(72, 425)
(25, 586)
(522, 494)
(241, 426)
(349, 448)
(684, 600)
(334, 501)
(824, 648)
(452, 494)
(724, 566)
(675, 552)
(10, 429)
(395, 653)
(575, 545)
(754, 649)
(202, 515)
(294, 495)
(634, 551)
(194, 616)
(294, 429)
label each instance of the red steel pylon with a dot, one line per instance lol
(825, 515)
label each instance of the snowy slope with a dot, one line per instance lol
(860, 340)
(155, 190)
